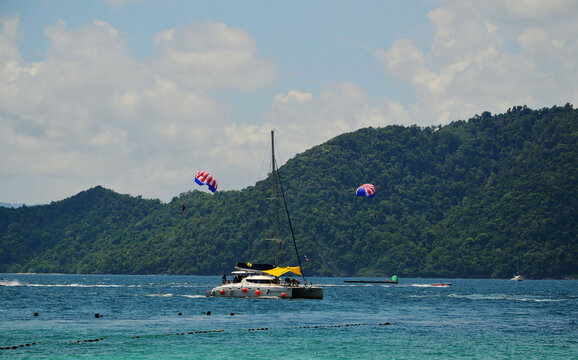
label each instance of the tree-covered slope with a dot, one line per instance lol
(485, 197)
(473, 198)
(63, 236)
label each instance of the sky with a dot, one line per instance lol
(139, 95)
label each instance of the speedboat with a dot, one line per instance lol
(442, 284)
(517, 278)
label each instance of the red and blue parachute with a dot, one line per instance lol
(367, 190)
(204, 178)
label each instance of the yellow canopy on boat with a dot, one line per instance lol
(278, 271)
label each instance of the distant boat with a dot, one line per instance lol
(517, 277)
(441, 284)
(263, 280)
(393, 280)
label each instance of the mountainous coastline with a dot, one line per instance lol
(8, 205)
(483, 198)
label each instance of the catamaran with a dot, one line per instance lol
(264, 280)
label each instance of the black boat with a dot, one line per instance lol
(393, 280)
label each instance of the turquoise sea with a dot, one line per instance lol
(167, 317)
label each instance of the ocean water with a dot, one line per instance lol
(166, 317)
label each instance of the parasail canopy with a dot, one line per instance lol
(204, 178)
(278, 271)
(367, 190)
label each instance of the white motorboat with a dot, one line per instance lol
(264, 280)
(517, 278)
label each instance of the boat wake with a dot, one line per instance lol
(442, 285)
(501, 297)
(17, 283)
(10, 283)
(194, 296)
(82, 285)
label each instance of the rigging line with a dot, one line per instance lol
(256, 256)
(289, 219)
(260, 177)
(254, 246)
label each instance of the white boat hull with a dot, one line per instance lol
(267, 291)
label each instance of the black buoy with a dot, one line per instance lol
(97, 315)
(180, 314)
(36, 314)
(208, 313)
(232, 314)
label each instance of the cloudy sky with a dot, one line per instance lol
(137, 96)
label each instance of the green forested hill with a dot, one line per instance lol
(488, 197)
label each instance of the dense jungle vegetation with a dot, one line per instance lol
(483, 198)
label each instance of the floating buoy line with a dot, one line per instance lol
(98, 339)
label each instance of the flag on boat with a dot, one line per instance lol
(278, 271)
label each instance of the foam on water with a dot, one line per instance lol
(10, 283)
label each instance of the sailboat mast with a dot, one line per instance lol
(276, 181)
(276, 230)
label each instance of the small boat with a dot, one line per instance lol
(393, 280)
(264, 280)
(441, 284)
(517, 277)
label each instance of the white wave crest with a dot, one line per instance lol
(10, 283)
(160, 295)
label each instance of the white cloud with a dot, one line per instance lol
(293, 96)
(342, 107)
(212, 55)
(470, 66)
(402, 60)
(538, 10)
(92, 114)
